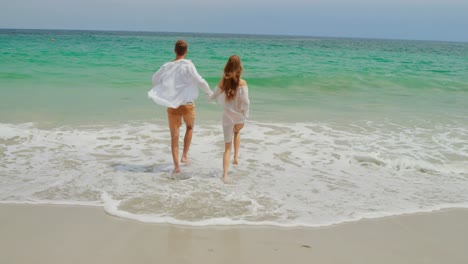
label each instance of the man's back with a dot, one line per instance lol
(176, 84)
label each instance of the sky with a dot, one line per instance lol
(445, 20)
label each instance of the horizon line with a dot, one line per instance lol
(239, 34)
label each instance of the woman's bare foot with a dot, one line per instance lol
(176, 170)
(235, 162)
(184, 160)
(225, 179)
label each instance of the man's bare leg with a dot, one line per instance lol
(187, 141)
(175, 148)
(189, 120)
(226, 158)
(174, 124)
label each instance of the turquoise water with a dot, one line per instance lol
(100, 76)
(340, 129)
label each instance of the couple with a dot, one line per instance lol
(175, 85)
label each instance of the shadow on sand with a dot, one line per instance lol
(167, 167)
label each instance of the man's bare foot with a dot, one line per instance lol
(235, 162)
(184, 160)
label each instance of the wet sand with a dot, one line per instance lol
(78, 234)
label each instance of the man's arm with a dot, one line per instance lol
(200, 81)
(157, 76)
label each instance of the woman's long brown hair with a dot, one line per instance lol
(231, 77)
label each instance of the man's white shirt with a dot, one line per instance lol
(176, 83)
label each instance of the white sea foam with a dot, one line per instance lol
(299, 174)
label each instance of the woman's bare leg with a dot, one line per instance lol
(226, 158)
(237, 129)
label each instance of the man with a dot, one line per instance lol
(175, 85)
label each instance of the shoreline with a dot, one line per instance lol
(143, 219)
(83, 234)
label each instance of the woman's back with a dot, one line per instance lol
(236, 110)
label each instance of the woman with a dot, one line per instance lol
(233, 94)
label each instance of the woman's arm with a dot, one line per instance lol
(245, 100)
(216, 93)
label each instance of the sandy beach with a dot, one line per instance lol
(78, 234)
(340, 129)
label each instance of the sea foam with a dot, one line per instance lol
(297, 174)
